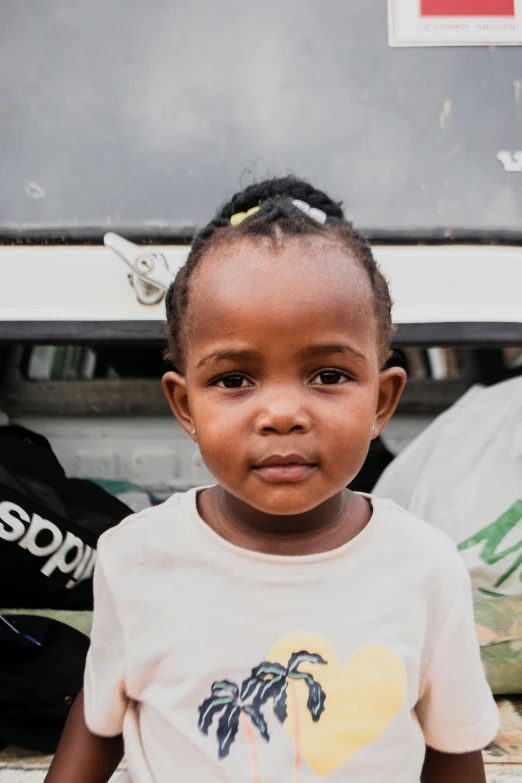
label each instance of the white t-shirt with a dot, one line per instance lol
(222, 664)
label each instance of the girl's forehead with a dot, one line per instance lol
(264, 293)
(298, 268)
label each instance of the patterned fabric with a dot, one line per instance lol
(499, 629)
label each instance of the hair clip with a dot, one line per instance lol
(315, 214)
(238, 217)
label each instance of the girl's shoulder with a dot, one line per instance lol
(413, 541)
(152, 526)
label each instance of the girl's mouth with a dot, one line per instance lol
(289, 468)
(283, 473)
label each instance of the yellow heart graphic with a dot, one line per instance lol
(362, 697)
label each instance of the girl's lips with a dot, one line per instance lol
(288, 472)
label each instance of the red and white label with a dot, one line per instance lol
(454, 22)
(467, 8)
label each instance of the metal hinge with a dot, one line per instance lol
(150, 276)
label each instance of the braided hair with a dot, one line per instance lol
(277, 217)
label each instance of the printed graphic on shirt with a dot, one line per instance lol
(329, 709)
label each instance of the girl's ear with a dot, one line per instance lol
(391, 384)
(175, 388)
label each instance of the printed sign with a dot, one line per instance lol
(454, 22)
(467, 8)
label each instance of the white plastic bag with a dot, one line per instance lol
(464, 475)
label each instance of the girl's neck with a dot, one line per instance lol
(326, 527)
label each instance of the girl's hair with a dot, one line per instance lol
(276, 218)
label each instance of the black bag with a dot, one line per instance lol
(376, 462)
(49, 526)
(41, 673)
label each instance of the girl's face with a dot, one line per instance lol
(282, 381)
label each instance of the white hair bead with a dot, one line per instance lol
(302, 205)
(315, 214)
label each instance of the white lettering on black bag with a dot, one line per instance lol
(49, 526)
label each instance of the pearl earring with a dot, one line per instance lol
(193, 432)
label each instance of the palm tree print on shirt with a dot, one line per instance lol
(271, 680)
(267, 681)
(280, 680)
(225, 699)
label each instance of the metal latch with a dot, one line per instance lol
(150, 276)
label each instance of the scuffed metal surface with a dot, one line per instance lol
(183, 121)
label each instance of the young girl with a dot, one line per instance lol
(276, 626)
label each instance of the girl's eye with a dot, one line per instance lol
(329, 378)
(233, 382)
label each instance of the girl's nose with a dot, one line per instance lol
(282, 413)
